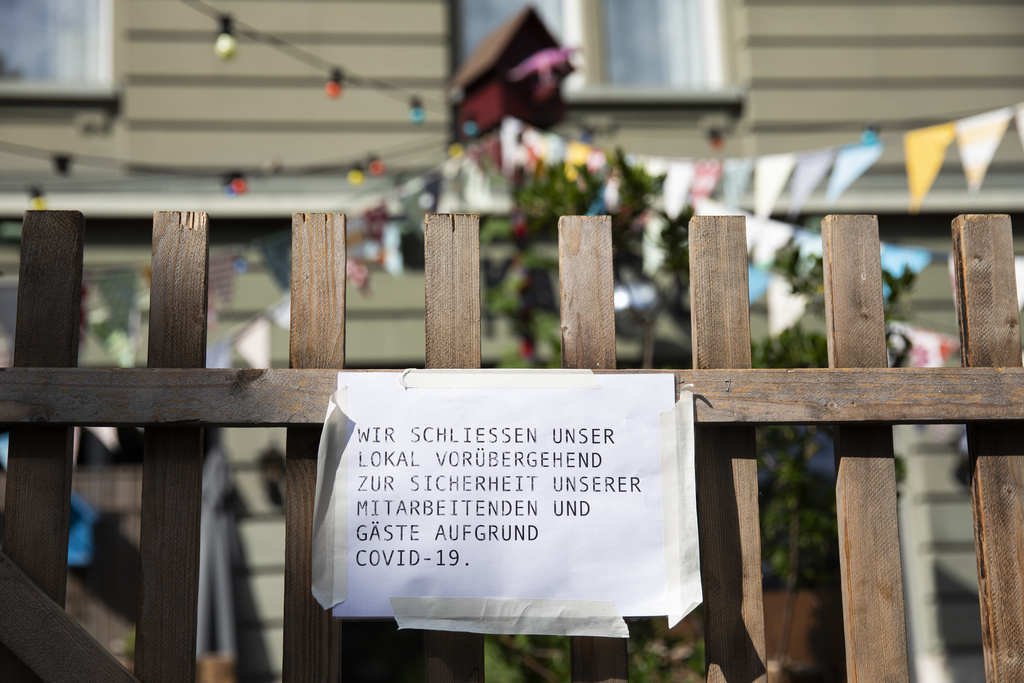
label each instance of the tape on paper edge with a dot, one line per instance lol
(499, 379)
(682, 545)
(511, 616)
(330, 517)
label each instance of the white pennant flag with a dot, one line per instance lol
(770, 175)
(1020, 123)
(811, 169)
(735, 178)
(978, 137)
(253, 344)
(676, 189)
(785, 308)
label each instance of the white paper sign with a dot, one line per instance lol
(505, 486)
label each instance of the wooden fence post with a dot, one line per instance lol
(869, 541)
(588, 342)
(452, 297)
(990, 337)
(172, 479)
(726, 462)
(312, 636)
(39, 470)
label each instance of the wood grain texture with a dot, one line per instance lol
(869, 542)
(452, 290)
(47, 639)
(588, 342)
(587, 292)
(39, 467)
(726, 464)
(287, 398)
(165, 644)
(990, 335)
(312, 637)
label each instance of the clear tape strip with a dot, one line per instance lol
(511, 616)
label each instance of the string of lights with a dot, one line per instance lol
(226, 47)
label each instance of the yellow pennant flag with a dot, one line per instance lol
(924, 150)
(576, 154)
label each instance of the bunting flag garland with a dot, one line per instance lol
(925, 150)
(253, 344)
(676, 189)
(978, 137)
(705, 178)
(897, 258)
(851, 162)
(811, 168)
(770, 175)
(735, 179)
(928, 349)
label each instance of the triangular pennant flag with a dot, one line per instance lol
(928, 349)
(1018, 263)
(277, 254)
(784, 307)
(705, 177)
(811, 168)
(218, 354)
(576, 154)
(765, 237)
(924, 149)
(770, 175)
(735, 178)
(676, 189)
(1020, 123)
(253, 344)
(977, 137)
(757, 281)
(896, 259)
(851, 163)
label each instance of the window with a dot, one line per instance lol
(58, 43)
(667, 44)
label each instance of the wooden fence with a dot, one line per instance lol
(44, 395)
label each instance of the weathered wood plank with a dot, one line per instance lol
(990, 336)
(286, 398)
(869, 542)
(588, 342)
(312, 637)
(39, 468)
(730, 531)
(165, 644)
(452, 291)
(47, 639)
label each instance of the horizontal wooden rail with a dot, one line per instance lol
(279, 398)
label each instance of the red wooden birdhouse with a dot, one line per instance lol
(515, 71)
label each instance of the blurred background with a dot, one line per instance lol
(646, 110)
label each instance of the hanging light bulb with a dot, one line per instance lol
(416, 113)
(376, 166)
(356, 176)
(334, 87)
(870, 135)
(235, 184)
(36, 199)
(226, 45)
(61, 163)
(716, 140)
(470, 129)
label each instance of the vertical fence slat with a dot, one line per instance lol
(165, 645)
(38, 501)
(730, 532)
(452, 250)
(588, 342)
(312, 637)
(990, 337)
(869, 542)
